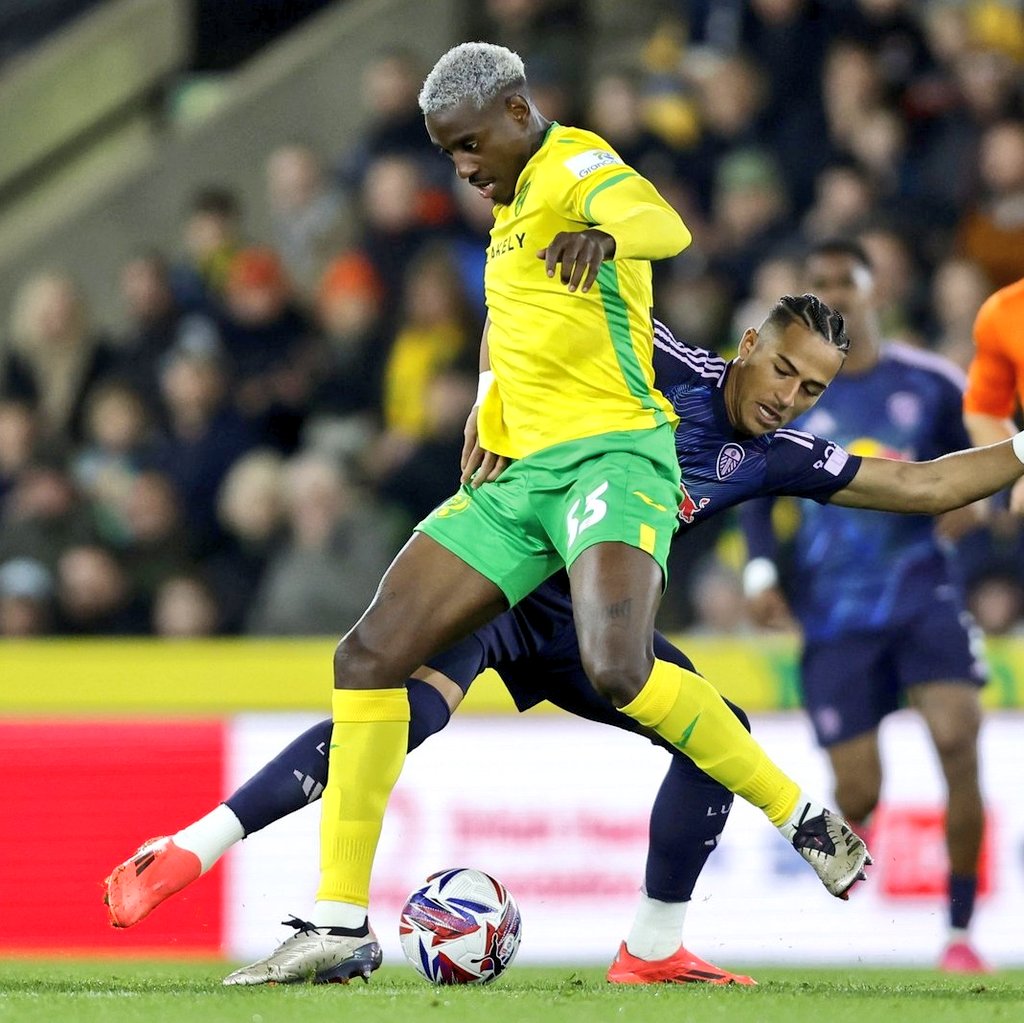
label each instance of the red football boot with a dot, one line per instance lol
(681, 968)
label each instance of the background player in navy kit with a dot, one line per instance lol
(728, 453)
(880, 611)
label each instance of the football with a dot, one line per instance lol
(461, 927)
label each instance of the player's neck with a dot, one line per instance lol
(540, 125)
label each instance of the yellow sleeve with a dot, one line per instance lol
(630, 209)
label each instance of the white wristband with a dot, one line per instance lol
(1018, 445)
(759, 575)
(486, 379)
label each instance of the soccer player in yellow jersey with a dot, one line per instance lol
(579, 470)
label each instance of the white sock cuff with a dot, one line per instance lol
(338, 914)
(657, 930)
(806, 807)
(211, 836)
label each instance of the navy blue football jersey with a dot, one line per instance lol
(853, 570)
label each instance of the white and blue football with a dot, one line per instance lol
(461, 927)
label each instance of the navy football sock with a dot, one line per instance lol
(297, 775)
(428, 711)
(687, 819)
(962, 890)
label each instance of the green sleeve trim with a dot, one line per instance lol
(607, 183)
(617, 317)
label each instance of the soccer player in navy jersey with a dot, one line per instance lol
(876, 599)
(732, 444)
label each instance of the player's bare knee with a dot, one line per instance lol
(618, 681)
(356, 665)
(956, 746)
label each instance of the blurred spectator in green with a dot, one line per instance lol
(787, 41)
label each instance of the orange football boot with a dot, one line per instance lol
(681, 968)
(136, 887)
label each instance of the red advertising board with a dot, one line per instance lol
(79, 797)
(909, 847)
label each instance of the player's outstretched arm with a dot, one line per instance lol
(936, 486)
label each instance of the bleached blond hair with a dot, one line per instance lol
(477, 72)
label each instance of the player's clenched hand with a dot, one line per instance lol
(478, 466)
(580, 254)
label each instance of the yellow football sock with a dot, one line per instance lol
(368, 746)
(689, 712)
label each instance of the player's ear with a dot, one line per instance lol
(747, 342)
(518, 107)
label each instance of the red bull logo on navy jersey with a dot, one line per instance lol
(688, 507)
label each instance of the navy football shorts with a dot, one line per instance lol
(533, 648)
(853, 681)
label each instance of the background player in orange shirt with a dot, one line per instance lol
(995, 378)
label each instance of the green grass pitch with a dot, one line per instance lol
(99, 991)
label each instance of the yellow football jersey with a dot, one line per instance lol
(572, 364)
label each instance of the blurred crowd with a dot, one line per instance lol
(247, 455)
